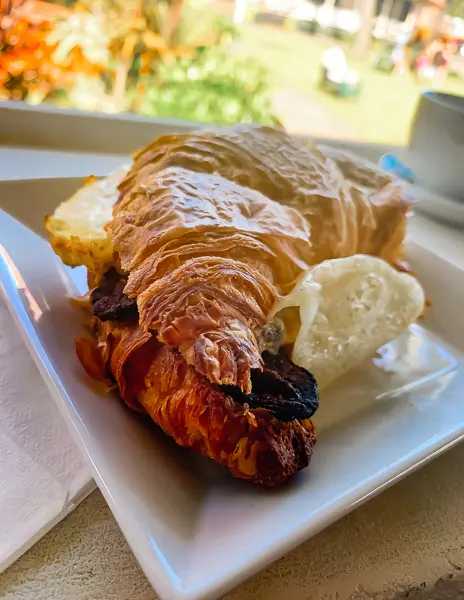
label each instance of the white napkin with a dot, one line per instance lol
(42, 474)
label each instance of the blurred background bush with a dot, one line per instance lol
(169, 58)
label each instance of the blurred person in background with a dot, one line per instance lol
(336, 73)
(334, 60)
(433, 64)
(441, 59)
(398, 57)
(416, 46)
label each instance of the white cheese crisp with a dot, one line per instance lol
(349, 308)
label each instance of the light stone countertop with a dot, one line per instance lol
(410, 536)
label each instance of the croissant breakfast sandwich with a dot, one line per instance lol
(229, 270)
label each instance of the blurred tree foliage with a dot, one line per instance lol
(214, 87)
(28, 65)
(161, 58)
(123, 34)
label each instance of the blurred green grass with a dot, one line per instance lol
(382, 113)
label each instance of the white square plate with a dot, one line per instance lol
(195, 530)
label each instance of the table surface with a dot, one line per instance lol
(409, 537)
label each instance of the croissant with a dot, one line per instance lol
(350, 209)
(209, 231)
(263, 439)
(206, 260)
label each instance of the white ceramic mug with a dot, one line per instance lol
(436, 144)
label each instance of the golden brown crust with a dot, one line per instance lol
(206, 259)
(252, 444)
(345, 216)
(210, 308)
(176, 210)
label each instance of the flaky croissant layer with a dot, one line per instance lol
(206, 259)
(251, 442)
